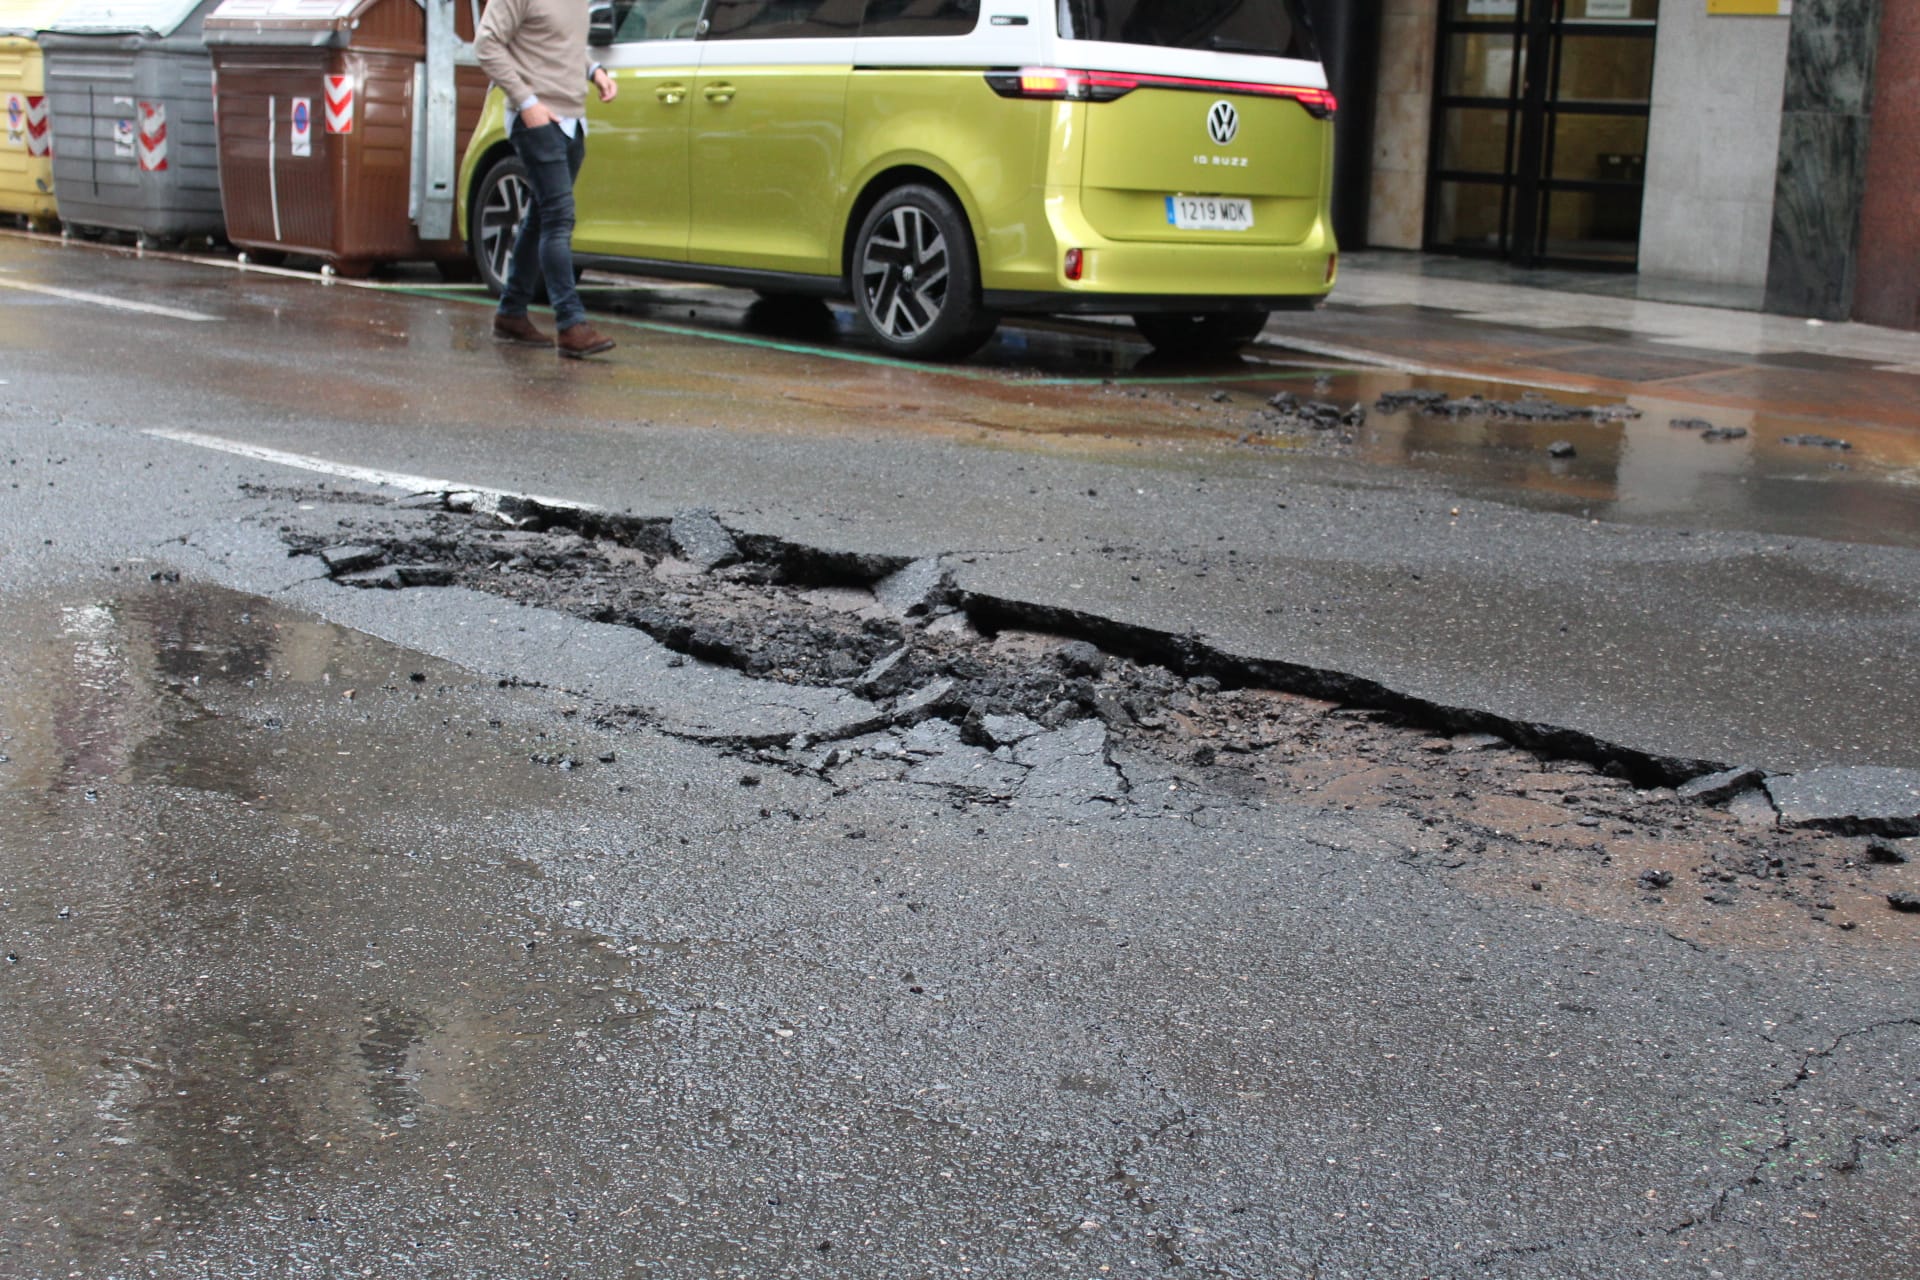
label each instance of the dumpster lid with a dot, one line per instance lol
(24, 17)
(132, 17)
(260, 15)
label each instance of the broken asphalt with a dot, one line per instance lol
(1678, 650)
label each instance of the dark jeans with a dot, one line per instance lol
(544, 246)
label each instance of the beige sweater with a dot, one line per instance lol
(537, 48)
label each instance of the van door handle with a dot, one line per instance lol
(671, 94)
(718, 93)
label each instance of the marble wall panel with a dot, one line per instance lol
(1816, 214)
(1821, 178)
(1830, 68)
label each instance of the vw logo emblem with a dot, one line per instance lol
(1223, 123)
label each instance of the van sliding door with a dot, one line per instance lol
(632, 198)
(769, 123)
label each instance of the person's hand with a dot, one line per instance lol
(535, 116)
(606, 84)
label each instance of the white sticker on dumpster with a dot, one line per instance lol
(16, 120)
(303, 126)
(123, 138)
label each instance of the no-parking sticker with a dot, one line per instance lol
(303, 126)
(16, 120)
(123, 130)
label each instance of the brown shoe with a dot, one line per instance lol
(578, 340)
(518, 329)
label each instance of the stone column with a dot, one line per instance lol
(1713, 146)
(1824, 126)
(1403, 121)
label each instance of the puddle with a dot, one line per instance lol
(706, 359)
(255, 933)
(1647, 470)
(1043, 382)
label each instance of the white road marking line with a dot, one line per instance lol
(103, 300)
(347, 471)
(599, 280)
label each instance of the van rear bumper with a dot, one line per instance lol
(1201, 273)
(1028, 302)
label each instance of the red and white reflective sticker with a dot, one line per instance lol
(153, 137)
(28, 123)
(339, 104)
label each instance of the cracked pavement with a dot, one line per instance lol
(647, 991)
(594, 913)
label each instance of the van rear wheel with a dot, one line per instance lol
(1213, 333)
(500, 205)
(917, 278)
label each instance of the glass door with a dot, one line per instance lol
(1540, 129)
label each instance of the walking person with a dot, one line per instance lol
(536, 51)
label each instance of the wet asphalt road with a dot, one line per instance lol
(318, 963)
(1734, 644)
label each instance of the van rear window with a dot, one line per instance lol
(821, 19)
(1276, 28)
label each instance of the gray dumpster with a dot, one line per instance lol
(130, 83)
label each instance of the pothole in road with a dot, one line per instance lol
(994, 712)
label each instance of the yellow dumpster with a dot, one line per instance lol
(26, 131)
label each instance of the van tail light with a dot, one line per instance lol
(1057, 84)
(1076, 264)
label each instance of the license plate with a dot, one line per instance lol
(1209, 213)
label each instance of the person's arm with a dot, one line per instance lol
(491, 44)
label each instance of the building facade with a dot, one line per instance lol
(1755, 152)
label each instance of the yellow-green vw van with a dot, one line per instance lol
(947, 162)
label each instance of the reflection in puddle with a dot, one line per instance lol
(1042, 384)
(253, 943)
(1644, 470)
(388, 1048)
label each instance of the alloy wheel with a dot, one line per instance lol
(904, 272)
(505, 208)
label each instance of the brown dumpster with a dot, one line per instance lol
(340, 126)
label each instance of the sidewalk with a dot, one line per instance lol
(1415, 313)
